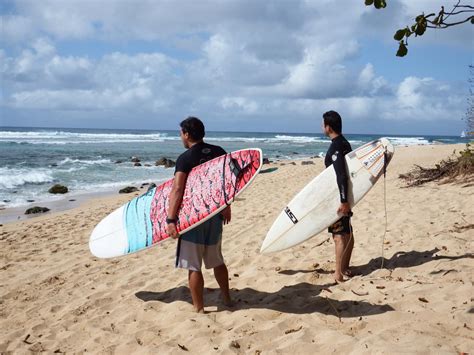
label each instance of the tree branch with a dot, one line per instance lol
(454, 8)
(446, 25)
(459, 12)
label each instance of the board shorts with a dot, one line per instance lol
(341, 226)
(202, 243)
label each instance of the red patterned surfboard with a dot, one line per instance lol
(210, 187)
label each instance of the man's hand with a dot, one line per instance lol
(226, 214)
(172, 232)
(344, 209)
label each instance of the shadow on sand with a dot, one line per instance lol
(302, 298)
(399, 260)
(404, 259)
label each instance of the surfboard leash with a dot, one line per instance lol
(385, 163)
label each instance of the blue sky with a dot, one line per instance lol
(238, 65)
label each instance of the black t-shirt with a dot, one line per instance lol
(335, 156)
(198, 154)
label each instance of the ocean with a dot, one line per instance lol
(85, 160)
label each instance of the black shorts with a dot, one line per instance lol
(341, 226)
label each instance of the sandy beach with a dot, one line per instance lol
(56, 297)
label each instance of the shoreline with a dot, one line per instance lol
(12, 214)
(17, 213)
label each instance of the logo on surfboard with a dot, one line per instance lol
(291, 215)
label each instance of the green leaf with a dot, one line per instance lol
(380, 4)
(402, 50)
(420, 29)
(369, 2)
(399, 34)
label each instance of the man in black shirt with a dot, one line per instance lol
(342, 229)
(204, 241)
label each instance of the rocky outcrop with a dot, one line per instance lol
(36, 209)
(58, 189)
(128, 189)
(167, 163)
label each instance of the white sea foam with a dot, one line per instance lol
(277, 139)
(11, 178)
(87, 162)
(62, 137)
(409, 140)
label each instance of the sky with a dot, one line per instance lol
(239, 65)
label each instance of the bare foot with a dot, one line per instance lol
(348, 273)
(200, 310)
(226, 300)
(340, 278)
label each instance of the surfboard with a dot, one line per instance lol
(141, 222)
(314, 208)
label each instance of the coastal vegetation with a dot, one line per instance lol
(458, 168)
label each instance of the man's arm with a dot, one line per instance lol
(342, 181)
(175, 198)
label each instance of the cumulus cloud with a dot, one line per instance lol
(241, 104)
(222, 60)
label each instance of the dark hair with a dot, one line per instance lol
(194, 127)
(333, 120)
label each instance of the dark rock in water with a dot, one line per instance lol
(54, 165)
(147, 165)
(278, 156)
(135, 160)
(145, 184)
(36, 209)
(137, 164)
(293, 163)
(30, 200)
(307, 162)
(152, 186)
(58, 189)
(72, 200)
(14, 192)
(6, 201)
(266, 161)
(128, 189)
(167, 163)
(118, 161)
(295, 153)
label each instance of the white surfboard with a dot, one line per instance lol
(314, 208)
